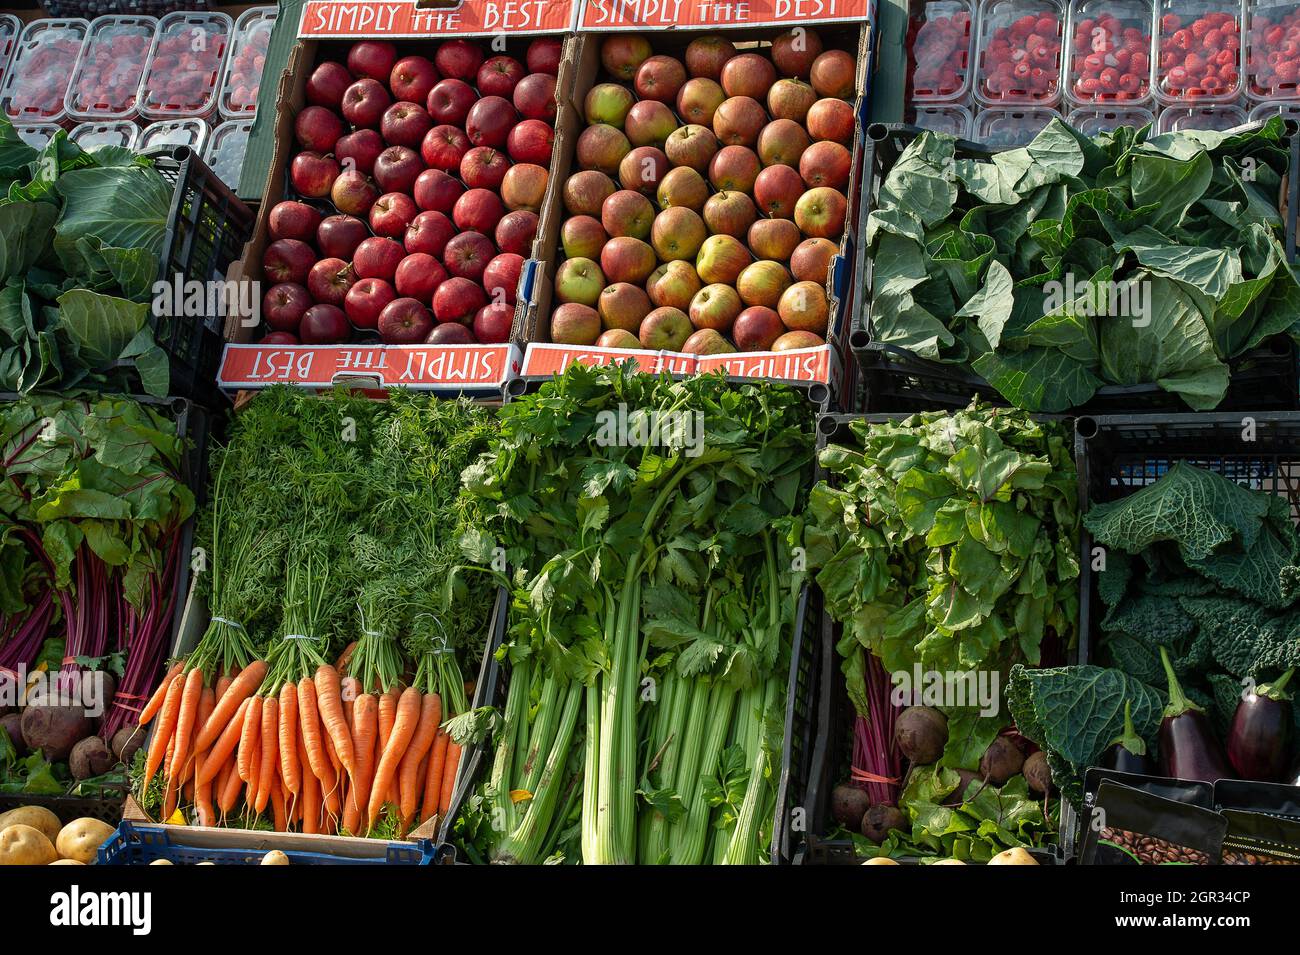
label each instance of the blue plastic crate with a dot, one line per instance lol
(140, 845)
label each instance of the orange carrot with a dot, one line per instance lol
(309, 723)
(433, 778)
(277, 807)
(449, 776)
(404, 726)
(221, 686)
(341, 664)
(160, 745)
(186, 718)
(365, 717)
(349, 689)
(248, 739)
(330, 701)
(159, 695)
(290, 768)
(207, 700)
(228, 787)
(243, 686)
(268, 774)
(408, 775)
(387, 715)
(216, 757)
(310, 795)
(334, 789)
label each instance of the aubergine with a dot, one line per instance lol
(1127, 752)
(1260, 735)
(1188, 748)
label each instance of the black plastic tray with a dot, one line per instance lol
(68, 808)
(895, 379)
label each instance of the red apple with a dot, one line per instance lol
(774, 239)
(730, 213)
(831, 119)
(483, 168)
(324, 325)
(782, 142)
(756, 328)
(623, 305)
(579, 280)
(659, 78)
(405, 124)
(429, 232)
(372, 58)
(359, 150)
(776, 190)
(622, 53)
(582, 237)
(627, 213)
(715, 306)
(327, 83)
(459, 59)
(284, 305)
(467, 255)
(721, 260)
(673, 284)
(392, 213)
(450, 100)
(699, 99)
(834, 74)
(450, 333)
(329, 281)
(418, 276)
(735, 168)
(792, 340)
(524, 187)
(534, 96)
(607, 103)
(617, 338)
(706, 56)
(364, 102)
(354, 192)
(748, 74)
(649, 123)
(791, 99)
(826, 164)
(811, 260)
(544, 55)
(530, 141)
(665, 329)
(339, 236)
(313, 175)
(443, 148)
(738, 121)
(575, 324)
(693, 146)
(492, 323)
(377, 258)
(683, 186)
(404, 321)
(516, 231)
(585, 192)
(479, 210)
(288, 260)
(602, 148)
(804, 308)
(762, 282)
(643, 169)
(499, 75)
(624, 259)
(820, 213)
(457, 299)
(489, 121)
(412, 78)
(436, 190)
(501, 277)
(318, 129)
(365, 300)
(278, 338)
(794, 51)
(707, 341)
(678, 233)
(292, 220)
(397, 168)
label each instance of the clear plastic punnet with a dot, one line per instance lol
(1108, 53)
(243, 77)
(954, 119)
(1198, 52)
(1219, 118)
(174, 132)
(1009, 128)
(10, 27)
(183, 77)
(1095, 120)
(121, 132)
(36, 135)
(1287, 109)
(107, 78)
(1019, 52)
(225, 150)
(940, 40)
(38, 76)
(1273, 49)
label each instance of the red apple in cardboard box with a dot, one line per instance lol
(327, 84)
(437, 190)
(659, 78)
(782, 142)
(792, 340)
(365, 300)
(582, 237)
(735, 168)
(607, 103)
(284, 305)
(706, 55)
(683, 186)
(467, 255)
(501, 277)
(373, 59)
(730, 213)
(405, 124)
(377, 258)
(411, 79)
(397, 168)
(279, 338)
(826, 164)
(483, 168)
(392, 213)
(673, 284)
(585, 192)
(834, 74)
(524, 187)
(516, 231)
(665, 329)
(580, 281)
(715, 306)
(649, 123)
(449, 101)
(738, 121)
(794, 51)
(623, 305)
(534, 97)
(443, 148)
(499, 75)
(803, 307)
(748, 74)
(643, 169)
(324, 325)
(364, 103)
(404, 321)
(776, 190)
(811, 260)
(833, 120)
(457, 299)
(339, 236)
(293, 220)
(492, 323)
(313, 175)
(820, 213)
(699, 99)
(611, 338)
(602, 148)
(478, 210)
(774, 239)
(429, 232)
(418, 276)
(329, 281)
(791, 99)
(544, 55)
(450, 333)
(677, 233)
(707, 341)
(756, 328)
(318, 129)
(627, 213)
(459, 59)
(622, 54)
(531, 141)
(624, 259)
(360, 150)
(288, 260)
(354, 192)
(489, 121)
(721, 260)
(693, 146)
(762, 283)
(575, 324)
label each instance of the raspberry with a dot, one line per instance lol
(1225, 58)
(1021, 71)
(1177, 76)
(1130, 83)
(1170, 22)
(1046, 26)
(1202, 27)
(1087, 86)
(1140, 63)
(1193, 63)
(1288, 71)
(1109, 79)
(1182, 40)
(1214, 40)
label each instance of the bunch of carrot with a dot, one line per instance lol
(322, 755)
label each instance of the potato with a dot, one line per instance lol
(66, 862)
(38, 817)
(1013, 857)
(880, 860)
(949, 862)
(23, 845)
(275, 857)
(161, 862)
(205, 863)
(81, 839)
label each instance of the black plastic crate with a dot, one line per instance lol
(1119, 454)
(207, 227)
(106, 808)
(895, 379)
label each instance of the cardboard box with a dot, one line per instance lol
(327, 28)
(841, 26)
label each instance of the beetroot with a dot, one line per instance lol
(1002, 760)
(921, 734)
(54, 730)
(1038, 774)
(880, 819)
(849, 804)
(12, 724)
(126, 742)
(90, 757)
(958, 795)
